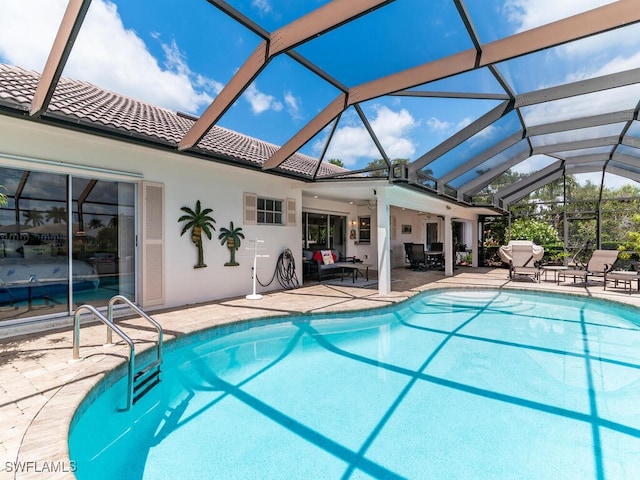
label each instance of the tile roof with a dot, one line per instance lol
(77, 100)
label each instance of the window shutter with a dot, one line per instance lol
(291, 211)
(250, 208)
(152, 245)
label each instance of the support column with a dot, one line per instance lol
(383, 240)
(448, 246)
(475, 236)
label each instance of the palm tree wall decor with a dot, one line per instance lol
(232, 238)
(198, 221)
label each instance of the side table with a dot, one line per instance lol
(553, 268)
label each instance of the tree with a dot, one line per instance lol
(537, 231)
(34, 217)
(337, 162)
(57, 214)
(3, 197)
(382, 167)
(633, 239)
(232, 238)
(95, 223)
(198, 221)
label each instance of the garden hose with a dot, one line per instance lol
(285, 272)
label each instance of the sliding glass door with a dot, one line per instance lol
(321, 230)
(103, 238)
(64, 241)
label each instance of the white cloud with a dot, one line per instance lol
(264, 6)
(439, 125)
(446, 128)
(533, 164)
(391, 128)
(528, 14)
(29, 48)
(293, 105)
(351, 143)
(622, 98)
(261, 102)
(607, 53)
(105, 54)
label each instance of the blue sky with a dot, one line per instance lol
(181, 58)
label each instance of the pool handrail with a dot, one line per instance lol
(121, 298)
(111, 326)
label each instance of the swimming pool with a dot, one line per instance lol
(450, 384)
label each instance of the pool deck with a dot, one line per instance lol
(41, 386)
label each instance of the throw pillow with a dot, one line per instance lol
(327, 257)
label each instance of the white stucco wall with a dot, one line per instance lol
(186, 180)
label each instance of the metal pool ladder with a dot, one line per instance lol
(139, 381)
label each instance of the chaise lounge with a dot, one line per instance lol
(600, 263)
(523, 261)
(522, 256)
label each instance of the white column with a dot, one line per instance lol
(383, 240)
(448, 246)
(474, 242)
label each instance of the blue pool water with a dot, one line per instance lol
(476, 384)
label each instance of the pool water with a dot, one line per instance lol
(448, 385)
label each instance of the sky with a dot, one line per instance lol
(180, 59)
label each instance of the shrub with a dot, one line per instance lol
(540, 233)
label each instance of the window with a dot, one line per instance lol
(269, 211)
(364, 229)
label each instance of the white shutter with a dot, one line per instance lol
(250, 208)
(291, 211)
(152, 244)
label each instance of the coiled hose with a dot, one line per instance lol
(285, 272)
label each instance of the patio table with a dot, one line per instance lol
(553, 268)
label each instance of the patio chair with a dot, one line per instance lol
(600, 263)
(417, 257)
(523, 262)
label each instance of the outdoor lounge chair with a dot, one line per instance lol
(523, 261)
(600, 263)
(626, 278)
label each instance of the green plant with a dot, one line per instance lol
(538, 232)
(633, 240)
(231, 236)
(198, 220)
(556, 256)
(466, 259)
(3, 197)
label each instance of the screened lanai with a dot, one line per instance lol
(484, 101)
